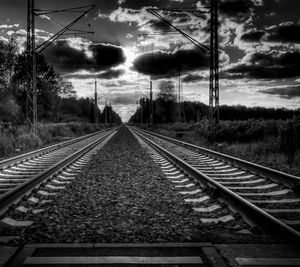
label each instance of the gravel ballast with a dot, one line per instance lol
(122, 196)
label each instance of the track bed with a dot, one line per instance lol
(122, 196)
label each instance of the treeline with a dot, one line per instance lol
(167, 110)
(56, 98)
(82, 109)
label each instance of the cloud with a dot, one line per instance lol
(107, 55)
(238, 10)
(253, 36)
(160, 25)
(129, 15)
(191, 78)
(272, 14)
(106, 75)
(80, 76)
(269, 65)
(45, 17)
(96, 57)
(20, 32)
(125, 99)
(110, 74)
(166, 64)
(287, 32)
(6, 26)
(102, 15)
(283, 92)
(3, 39)
(65, 58)
(119, 83)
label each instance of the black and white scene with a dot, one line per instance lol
(150, 133)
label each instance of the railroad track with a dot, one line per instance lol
(265, 197)
(45, 171)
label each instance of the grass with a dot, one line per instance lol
(275, 144)
(16, 139)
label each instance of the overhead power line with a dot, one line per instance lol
(201, 46)
(212, 50)
(33, 51)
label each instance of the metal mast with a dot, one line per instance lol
(95, 104)
(110, 113)
(214, 66)
(31, 94)
(180, 91)
(105, 108)
(151, 104)
(212, 51)
(33, 51)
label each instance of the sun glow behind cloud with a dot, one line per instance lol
(130, 53)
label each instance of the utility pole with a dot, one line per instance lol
(151, 104)
(179, 85)
(31, 94)
(141, 112)
(105, 113)
(33, 51)
(212, 51)
(110, 113)
(214, 66)
(95, 104)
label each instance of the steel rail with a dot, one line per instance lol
(29, 155)
(291, 181)
(18, 192)
(251, 212)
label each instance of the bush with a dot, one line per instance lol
(290, 139)
(6, 145)
(14, 137)
(28, 140)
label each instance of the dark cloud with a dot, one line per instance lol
(110, 74)
(107, 56)
(160, 26)
(287, 93)
(236, 9)
(253, 36)
(67, 59)
(190, 78)
(287, 32)
(166, 64)
(272, 65)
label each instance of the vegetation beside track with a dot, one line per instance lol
(272, 143)
(17, 139)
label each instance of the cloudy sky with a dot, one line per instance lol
(259, 49)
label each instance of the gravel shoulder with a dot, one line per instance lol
(121, 196)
